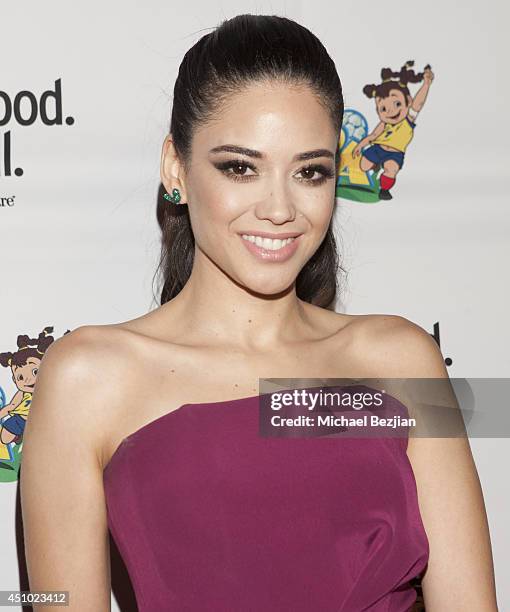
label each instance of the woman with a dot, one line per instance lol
(163, 446)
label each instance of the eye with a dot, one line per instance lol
(239, 166)
(398, 104)
(383, 109)
(325, 173)
(34, 371)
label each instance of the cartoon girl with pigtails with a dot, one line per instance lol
(397, 111)
(24, 364)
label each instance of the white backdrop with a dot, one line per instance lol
(80, 242)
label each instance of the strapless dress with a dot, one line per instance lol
(209, 516)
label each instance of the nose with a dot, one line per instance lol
(278, 206)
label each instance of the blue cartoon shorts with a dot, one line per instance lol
(375, 153)
(15, 424)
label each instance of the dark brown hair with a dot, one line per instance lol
(404, 76)
(20, 357)
(243, 49)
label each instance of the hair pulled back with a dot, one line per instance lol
(241, 50)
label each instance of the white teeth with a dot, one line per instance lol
(267, 243)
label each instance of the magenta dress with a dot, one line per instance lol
(209, 516)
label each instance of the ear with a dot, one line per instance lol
(171, 169)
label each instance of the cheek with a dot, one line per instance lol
(325, 217)
(214, 208)
(319, 208)
(216, 195)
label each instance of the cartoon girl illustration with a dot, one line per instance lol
(397, 110)
(24, 364)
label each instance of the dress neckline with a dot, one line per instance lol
(167, 415)
(180, 410)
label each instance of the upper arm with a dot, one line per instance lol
(16, 398)
(459, 575)
(62, 497)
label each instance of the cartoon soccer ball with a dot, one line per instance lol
(354, 125)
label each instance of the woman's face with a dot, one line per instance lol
(265, 165)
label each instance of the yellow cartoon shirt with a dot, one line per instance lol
(24, 406)
(397, 136)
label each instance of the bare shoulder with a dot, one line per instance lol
(395, 347)
(89, 350)
(80, 388)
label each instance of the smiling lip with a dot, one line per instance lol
(266, 255)
(273, 236)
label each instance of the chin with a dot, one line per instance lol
(269, 286)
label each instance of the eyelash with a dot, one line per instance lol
(224, 166)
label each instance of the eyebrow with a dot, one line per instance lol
(258, 155)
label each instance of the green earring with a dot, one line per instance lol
(175, 198)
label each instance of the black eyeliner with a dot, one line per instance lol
(327, 173)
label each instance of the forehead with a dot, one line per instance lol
(394, 94)
(269, 116)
